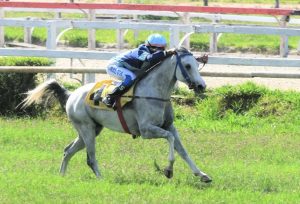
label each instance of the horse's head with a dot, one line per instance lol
(187, 70)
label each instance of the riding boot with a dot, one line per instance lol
(97, 97)
(110, 99)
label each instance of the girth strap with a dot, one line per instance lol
(120, 115)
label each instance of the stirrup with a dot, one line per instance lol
(97, 98)
(109, 101)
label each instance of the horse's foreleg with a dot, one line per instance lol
(169, 169)
(184, 155)
(69, 152)
(153, 132)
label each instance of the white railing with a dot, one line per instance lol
(225, 60)
(93, 70)
(185, 18)
(133, 14)
(53, 25)
(174, 29)
(184, 12)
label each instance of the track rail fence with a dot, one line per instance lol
(93, 70)
(175, 29)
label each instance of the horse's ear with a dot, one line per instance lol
(203, 59)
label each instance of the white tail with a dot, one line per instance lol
(35, 95)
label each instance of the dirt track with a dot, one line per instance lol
(212, 82)
(272, 83)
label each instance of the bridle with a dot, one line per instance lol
(184, 73)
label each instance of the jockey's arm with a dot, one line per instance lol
(151, 59)
(155, 57)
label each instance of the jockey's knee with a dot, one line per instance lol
(114, 71)
(128, 81)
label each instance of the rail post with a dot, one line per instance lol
(90, 77)
(284, 41)
(92, 32)
(186, 20)
(174, 36)
(213, 43)
(27, 33)
(51, 40)
(120, 32)
(135, 32)
(51, 35)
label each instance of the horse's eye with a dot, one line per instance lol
(188, 66)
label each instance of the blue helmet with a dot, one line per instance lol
(156, 40)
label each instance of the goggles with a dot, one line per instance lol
(154, 48)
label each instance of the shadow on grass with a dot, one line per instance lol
(157, 178)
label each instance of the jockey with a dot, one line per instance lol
(125, 66)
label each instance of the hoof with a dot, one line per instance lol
(168, 173)
(206, 179)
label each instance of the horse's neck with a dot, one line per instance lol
(159, 82)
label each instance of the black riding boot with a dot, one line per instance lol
(110, 99)
(97, 97)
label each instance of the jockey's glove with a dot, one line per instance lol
(170, 52)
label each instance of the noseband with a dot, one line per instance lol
(182, 69)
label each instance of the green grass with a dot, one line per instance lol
(39, 35)
(252, 157)
(25, 61)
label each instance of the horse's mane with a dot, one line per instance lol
(182, 50)
(179, 50)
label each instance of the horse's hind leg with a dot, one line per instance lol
(97, 131)
(90, 148)
(88, 134)
(184, 155)
(69, 152)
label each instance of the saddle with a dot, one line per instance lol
(106, 87)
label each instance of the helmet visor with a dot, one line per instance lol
(154, 48)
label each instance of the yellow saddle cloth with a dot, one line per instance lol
(107, 86)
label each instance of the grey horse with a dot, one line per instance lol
(149, 115)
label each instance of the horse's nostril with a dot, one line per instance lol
(201, 87)
(192, 86)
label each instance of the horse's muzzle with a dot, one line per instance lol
(198, 88)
